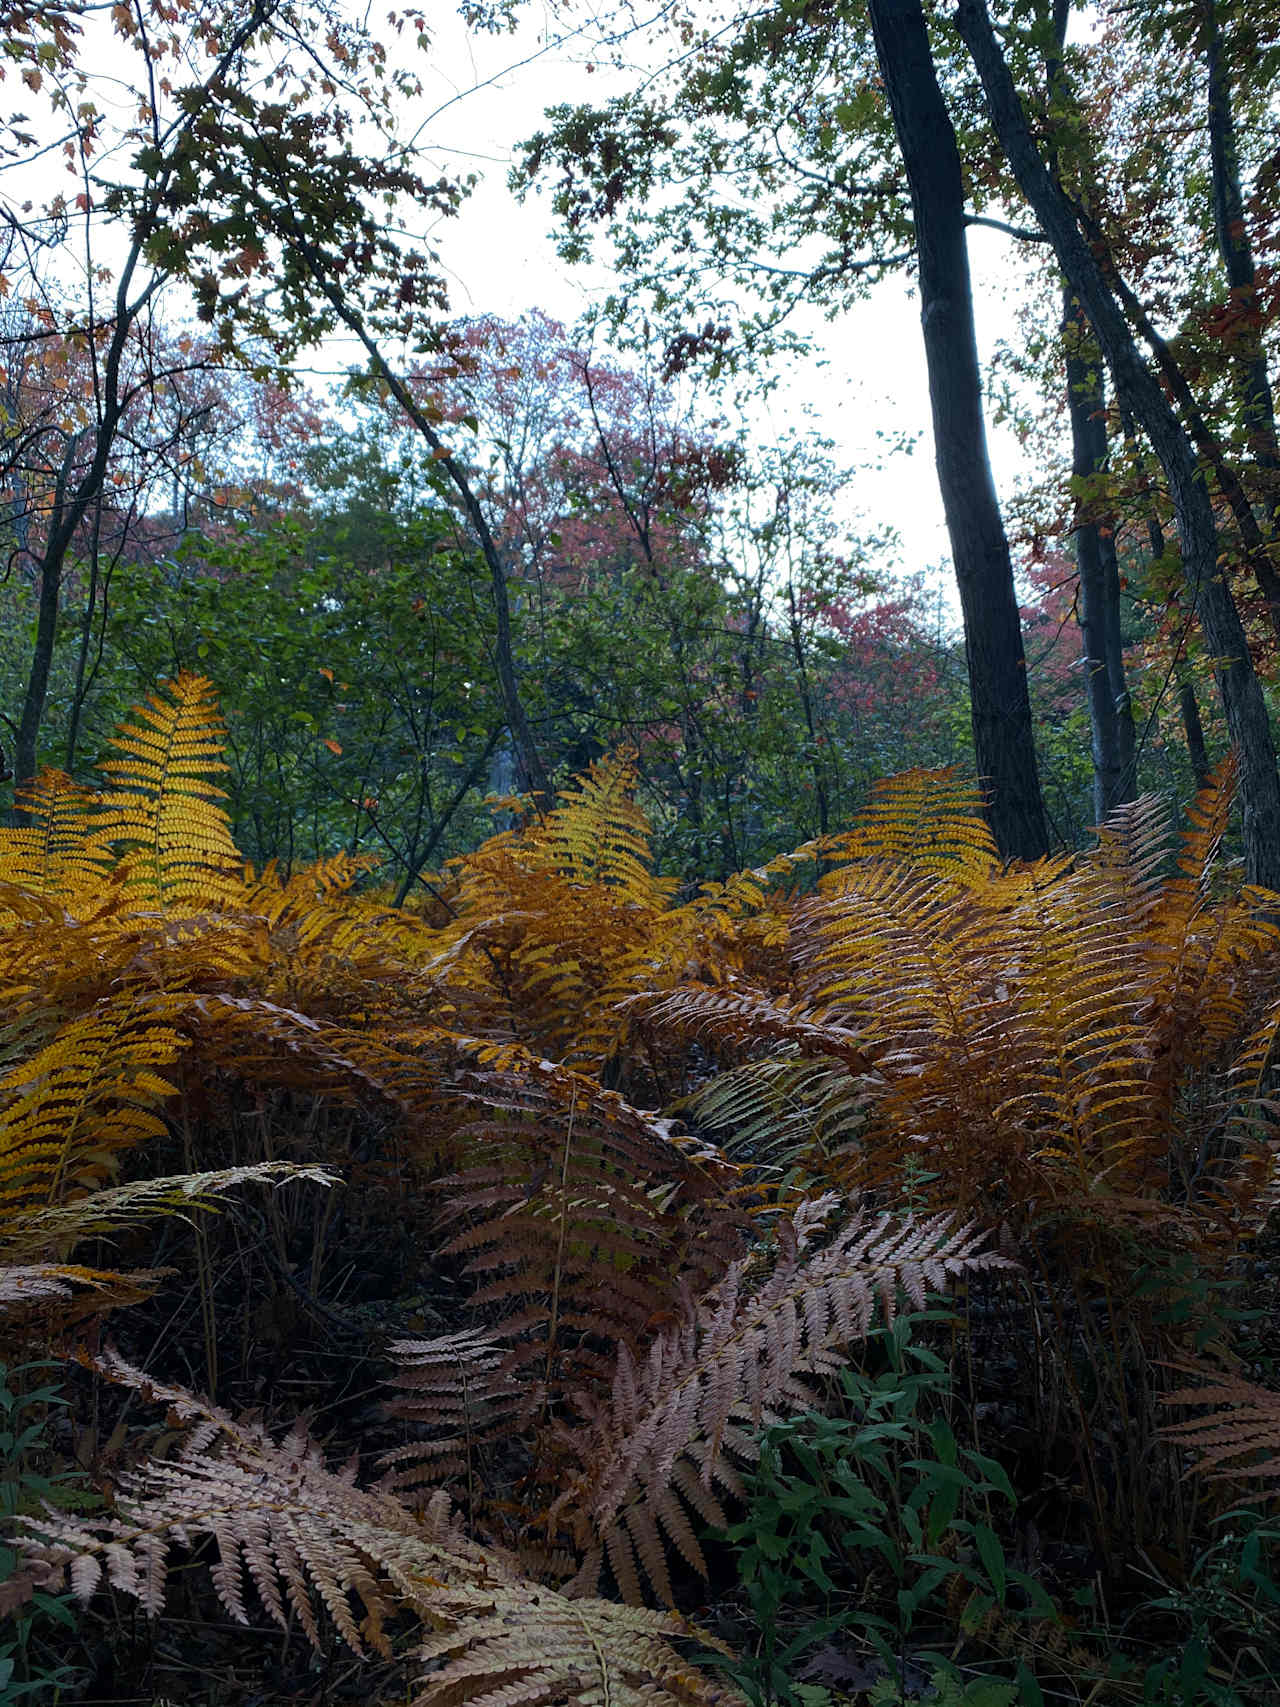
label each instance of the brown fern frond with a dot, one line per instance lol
(161, 808)
(735, 1363)
(581, 1211)
(1243, 1440)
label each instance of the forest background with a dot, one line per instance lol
(680, 581)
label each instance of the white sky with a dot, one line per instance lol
(866, 384)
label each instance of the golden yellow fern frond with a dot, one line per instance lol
(929, 819)
(68, 1111)
(56, 848)
(161, 808)
(597, 834)
(1241, 1441)
(680, 1415)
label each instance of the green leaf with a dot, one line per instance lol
(991, 1553)
(995, 1474)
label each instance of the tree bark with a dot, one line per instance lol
(1252, 382)
(1001, 707)
(1110, 711)
(1193, 729)
(1139, 388)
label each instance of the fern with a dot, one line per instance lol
(308, 1543)
(539, 1649)
(75, 1291)
(457, 1389)
(57, 849)
(737, 1362)
(929, 820)
(100, 1213)
(161, 808)
(74, 1105)
(1243, 1440)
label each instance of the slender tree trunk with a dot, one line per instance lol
(1139, 388)
(1117, 676)
(1193, 729)
(1110, 712)
(1001, 706)
(1253, 385)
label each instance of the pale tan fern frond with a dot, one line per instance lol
(307, 1543)
(1243, 1440)
(305, 1539)
(161, 808)
(680, 1415)
(737, 1016)
(535, 1648)
(102, 1212)
(23, 1287)
(458, 1389)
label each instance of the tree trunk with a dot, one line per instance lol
(1110, 713)
(1139, 388)
(1193, 729)
(1001, 707)
(1253, 386)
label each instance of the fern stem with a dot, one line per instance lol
(553, 1323)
